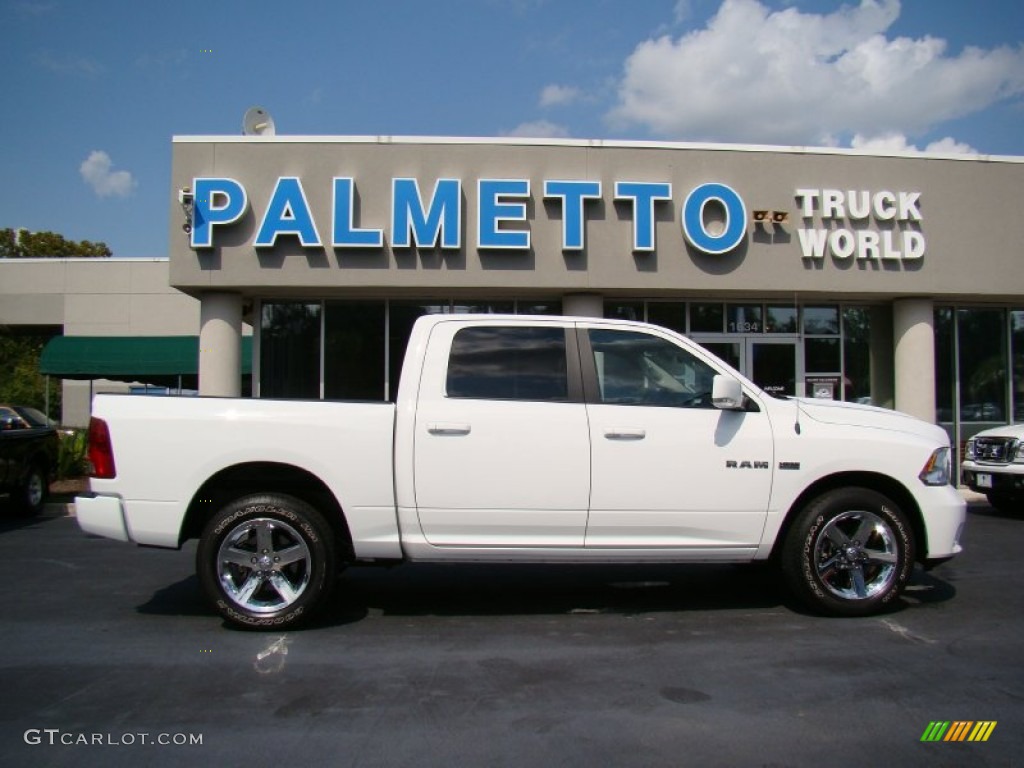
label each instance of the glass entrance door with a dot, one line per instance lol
(774, 365)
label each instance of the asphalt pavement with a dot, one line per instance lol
(111, 657)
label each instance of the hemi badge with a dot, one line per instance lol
(789, 465)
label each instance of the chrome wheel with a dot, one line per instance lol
(856, 555)
(264, 565)
(35, 489)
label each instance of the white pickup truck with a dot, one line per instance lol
(994, 465)
(527, 439)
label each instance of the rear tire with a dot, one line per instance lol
(850, 552)
(267, 561)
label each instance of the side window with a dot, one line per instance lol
(639, 369)
(508, 363)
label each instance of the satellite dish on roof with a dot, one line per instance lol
(257, 122)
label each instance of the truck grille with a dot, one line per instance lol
(994, 450)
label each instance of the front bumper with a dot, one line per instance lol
(1002, 479)
(945, 514)
(102, 516)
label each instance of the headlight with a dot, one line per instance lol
(969, 450)
(1017, 451)
(936, 471)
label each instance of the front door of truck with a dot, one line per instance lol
(502, 455)
(669, 469)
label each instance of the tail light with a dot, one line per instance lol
(101, 451)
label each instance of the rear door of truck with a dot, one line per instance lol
(502, 445)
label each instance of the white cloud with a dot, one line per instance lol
(558, 95)
(539, 129)
(897, 142)
(682, 11)
(105, 182)
(69, 64)
(757, 75)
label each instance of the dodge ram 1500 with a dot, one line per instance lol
(527, 439)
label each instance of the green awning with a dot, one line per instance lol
(127, 357)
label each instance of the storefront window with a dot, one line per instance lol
(981, 335)
(707, 318)
(822, 356)
(539, 307)
(821, 321)
(354, 348)
(484, 308)
(780, 319)
(744, 318)
(667, 314)
(945, 370)
(857, 354)
(290, 349)
(624, 310)
(403, 315)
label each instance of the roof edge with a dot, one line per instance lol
(588, 143)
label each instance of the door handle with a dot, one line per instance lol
(625, 433)
(444, 428)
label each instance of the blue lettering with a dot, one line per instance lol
(287, 214)
(573, 194)
(443, 221)
(494, 208)
(695, 228)
(215, 202)
(644, 195)
(346, 235)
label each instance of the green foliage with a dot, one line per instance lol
(71, 458)
(20, 380)
(22, 244)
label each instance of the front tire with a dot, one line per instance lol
(267, 561)
(850, 552)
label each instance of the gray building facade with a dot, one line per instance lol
(830, 273)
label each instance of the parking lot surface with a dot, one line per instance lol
(111, 657)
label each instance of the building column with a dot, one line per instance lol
(913, 322)
(882, 354)
(220, 344)
(583, 304)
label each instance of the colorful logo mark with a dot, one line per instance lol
(958, 730)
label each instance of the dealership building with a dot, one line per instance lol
(891, 279)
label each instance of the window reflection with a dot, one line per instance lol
(498, 363)
(639, 369)
(982, 364)
(290, 349)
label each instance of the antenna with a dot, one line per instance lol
(258, 122)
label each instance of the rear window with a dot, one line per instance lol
(508, 363)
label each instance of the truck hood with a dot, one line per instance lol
(1007, 430)
(857, 415)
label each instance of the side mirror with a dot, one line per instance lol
(726, 393)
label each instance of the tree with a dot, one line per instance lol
(20, 380)
(22, 244)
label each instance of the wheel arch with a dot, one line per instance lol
(245, 479)
(874, 481)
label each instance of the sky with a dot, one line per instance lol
(95, 91)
